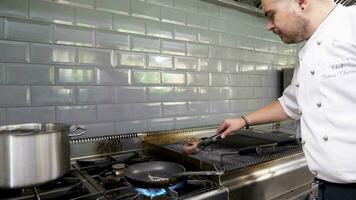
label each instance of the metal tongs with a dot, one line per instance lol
(208, 140)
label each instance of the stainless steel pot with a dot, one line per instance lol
(32, 154)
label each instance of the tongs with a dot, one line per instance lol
(208, 140)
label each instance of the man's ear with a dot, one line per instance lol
(303, 4)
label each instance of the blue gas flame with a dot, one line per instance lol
(156, 192)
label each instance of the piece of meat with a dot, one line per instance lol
(191, 146)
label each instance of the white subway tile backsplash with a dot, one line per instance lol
(208, 8)
(113, 76)
(185, 33)
(209, 93)
(77, 3)
(197, 20)
(23, 115)
(246, 42)
(254, 104)
(131, 126)
(254, 80)
(76, 114)
(128, 24)
(238, 80)
(208, 65)
(229, 40)
(172, 47)
(186, 93)
(145, 10)
(173, 78)
(52, 95)
(219, 106)
(242, 93)
(14, 8)
(13, 96)
(172, 15)
(113, 6)
(98, 129)
(92, 18)
(228, 66)
(147, 110)
(52, 12)
(160, 124)
(189, 60)
(187, 63)
(159, 29)
(174, 109)
(198, 50)
(48, 54)
(28, 31)
(262, 92)
(74, 75)
(190, 5)
(73, 35)
(14, 51)
(238, 105)
(2, 74)
(3, 116)
(246, 67)
(130, 94)
(147, 44)
(226, 92)
(96, 94)
(168, 3)
(114, 40)
(198, 107)
(217, 52)
(114, 112)
(219, 79)
(131, 59)
(1, 28)
(195, 78)
(186, 122)
(146, 77)
(25, 74)
(99, 57)
(218, 24)
(161, 93)
(160, 61)
(206, 120)
(208, 37)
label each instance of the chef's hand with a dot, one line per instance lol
(230, 125)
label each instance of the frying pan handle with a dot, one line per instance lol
(200, 173)
(73, 134)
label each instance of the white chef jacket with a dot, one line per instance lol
(322, 95)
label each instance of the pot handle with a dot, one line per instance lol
(73, 134)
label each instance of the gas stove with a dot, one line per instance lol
(102, 178)
(255, 167)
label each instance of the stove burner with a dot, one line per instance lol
(118, 169)
(153, 193)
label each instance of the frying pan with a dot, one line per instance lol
(159, 174)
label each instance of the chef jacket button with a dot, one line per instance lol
(312, 72)
(300, 112)
(315, 173)
(297, 85)
(319, 42)
(318, 104)
(325, 138)
(303, 142)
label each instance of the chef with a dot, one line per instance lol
(322, 93)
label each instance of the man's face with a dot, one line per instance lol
(284, 18)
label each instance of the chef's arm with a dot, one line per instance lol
(273, 112)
